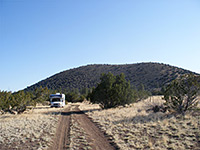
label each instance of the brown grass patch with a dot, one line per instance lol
(133, 127)
(32, 130)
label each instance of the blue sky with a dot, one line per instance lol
(39, 38)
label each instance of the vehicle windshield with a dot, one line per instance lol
(56, 100)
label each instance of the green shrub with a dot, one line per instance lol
(112, 91)
(74, 97)
(5, 98)
(182, 94)
(18, 101)
(40, 95)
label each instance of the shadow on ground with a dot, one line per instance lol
(79, 112)
(68, 113)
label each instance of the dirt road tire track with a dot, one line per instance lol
(96, 137)
(61, 138)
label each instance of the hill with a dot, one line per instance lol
(152, 75)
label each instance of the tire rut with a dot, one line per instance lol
(61, 138)
(76, 131)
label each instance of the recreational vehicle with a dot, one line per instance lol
(57, 100)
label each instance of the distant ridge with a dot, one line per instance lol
(152, 75)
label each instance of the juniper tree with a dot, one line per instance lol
(182, 94)
(112, 91)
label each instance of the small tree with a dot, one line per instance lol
(72, 97)
(20, 101)
(142, 93)
(112, 91)
(122, 92)
(40, 95)
(182, 94)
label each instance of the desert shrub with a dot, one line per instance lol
(158, 108)
(10, 102)
(81, 98)
(74, 97)
(71, 97)
(20, 101)
(40, 95)
(141, 94)
(112, 91)
(182, 94)
(5, 98)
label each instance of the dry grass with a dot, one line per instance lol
(78, 136)
(133, 127)
(34, 129)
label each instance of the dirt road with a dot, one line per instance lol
(76, 131)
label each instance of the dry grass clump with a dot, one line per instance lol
(77, 135)
(32, 130)
(87, 106)
(134, 127)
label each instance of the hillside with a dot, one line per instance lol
(151, 75)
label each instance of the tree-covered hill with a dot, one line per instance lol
(152, 75)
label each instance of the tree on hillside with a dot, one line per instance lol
(112, 91)
(182, 94)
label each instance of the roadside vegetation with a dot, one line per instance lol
(168, 122)
(137, 126)
(115, 91)
(131, 117)
(181, 95)
(31, 130)
(18, 102)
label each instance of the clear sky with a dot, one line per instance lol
(39, 38)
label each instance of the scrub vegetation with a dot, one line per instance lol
(18, 102)
(137, 126)
(115, 91)
(128, 113)
(182, 94)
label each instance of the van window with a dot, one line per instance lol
(55, 100)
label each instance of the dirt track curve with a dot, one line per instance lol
(76, 131)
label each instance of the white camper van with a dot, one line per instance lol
(57, 100)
